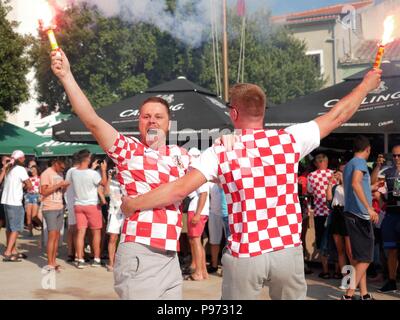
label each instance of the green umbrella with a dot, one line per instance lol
(15, 138)
(51, 148)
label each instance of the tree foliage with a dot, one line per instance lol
(107, 58)
(275, 60)
(113, 59)
(14, 64)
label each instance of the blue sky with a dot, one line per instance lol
(287, 6)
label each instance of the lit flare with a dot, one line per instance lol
(46, 25)
(389, 26)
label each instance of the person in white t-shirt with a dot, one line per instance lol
(197, 218)
(5, 164)
(335, 195)
(69, 197)
(115, 216)
(15, 181)
(87, 210)
(259, 178)
(216, 226)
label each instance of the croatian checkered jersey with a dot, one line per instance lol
(35, 184)
(259, 179)
(317, 182)
(141, 169)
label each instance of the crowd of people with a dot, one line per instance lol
(90, 197)
(353, 207)
(42, 200)
(254, 197)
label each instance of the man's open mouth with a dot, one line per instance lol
(152, 131)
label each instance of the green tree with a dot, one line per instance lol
(275, 60)
(14, 64)
(108, 58)
(112, 59)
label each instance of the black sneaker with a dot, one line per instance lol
(344, 297)
(389, 286)
(81, 264)
(367, 296)
(96, 264)
(211, 269)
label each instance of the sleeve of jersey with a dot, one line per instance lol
(360, 165)
(122, 148)
(207, 164)
(306, 135)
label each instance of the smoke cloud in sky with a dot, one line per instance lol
(188, 28)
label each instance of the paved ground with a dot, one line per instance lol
(23, 280)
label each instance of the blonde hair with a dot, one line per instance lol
(249, 98)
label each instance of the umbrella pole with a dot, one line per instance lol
(386, 142)
(225, 51)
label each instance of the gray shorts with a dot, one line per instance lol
(282, 271)
(14, 218)
(54, 219)
(145, 273)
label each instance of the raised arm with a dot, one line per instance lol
(103, 132)
(346, 107)
(377, 169)
(164, 195)
(329, 187)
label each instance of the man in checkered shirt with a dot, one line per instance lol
(259, 178)
(146, 264)
(317, 182)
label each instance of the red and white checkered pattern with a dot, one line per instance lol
(35, 184)
(317, 183)
(259, 178)
(141, 169)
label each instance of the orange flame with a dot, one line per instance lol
(388, 26)
(46, 15)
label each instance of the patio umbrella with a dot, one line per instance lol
(195, 111)
(379, 113)
(13, 137)
(16, 138)
(51, 148)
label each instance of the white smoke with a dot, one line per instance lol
(191, 28)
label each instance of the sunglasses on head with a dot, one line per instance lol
(228, 105)
(396, 155)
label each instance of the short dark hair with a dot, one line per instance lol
(157, 100)
(360, 143)
(57, 159)
(75, 158)
(82, 155)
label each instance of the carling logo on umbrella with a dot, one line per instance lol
(375, 97)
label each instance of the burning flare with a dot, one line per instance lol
(387, 37)
(46, 24)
